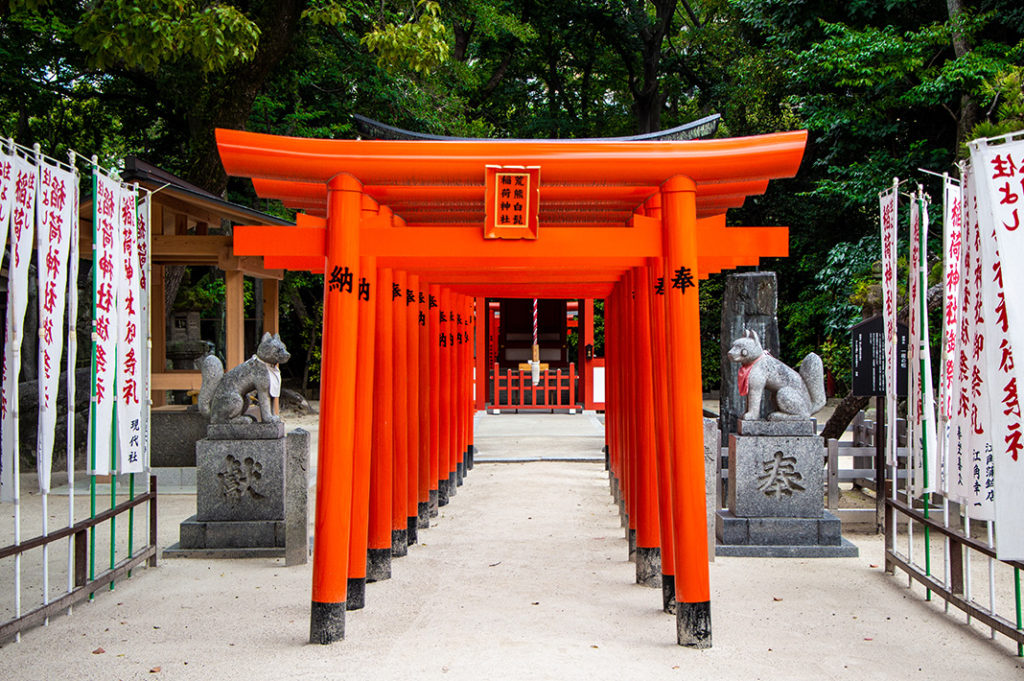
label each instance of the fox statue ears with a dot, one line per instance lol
(267, 336)
(750, 333)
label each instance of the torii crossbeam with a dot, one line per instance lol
(453, 220)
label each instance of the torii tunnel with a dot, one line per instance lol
(413, 236)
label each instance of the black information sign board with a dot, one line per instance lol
(867, 341)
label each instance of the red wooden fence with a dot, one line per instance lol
(515, 389)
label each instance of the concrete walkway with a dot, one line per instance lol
(538, 437)
(523, 576)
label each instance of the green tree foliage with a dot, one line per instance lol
(883, 88)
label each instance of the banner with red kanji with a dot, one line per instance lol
(998, 166)
(107, 255)
(25, 184)
(56, 231)
(129, 346)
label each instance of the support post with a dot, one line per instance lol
(433, 333)
(412, 378)
(358, 542)
(400, 418)
(382, 459)
(337, 413)
(234, 318)
(648, 540)
(693, 594)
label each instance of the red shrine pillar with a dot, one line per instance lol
(337, 411)
(433, 345)
(400, 487)
(426, 397)
(663, 430)
(382, 460)
(412, 378)
(648, 538)
(356, 598)
(444, 389)
(693, 593)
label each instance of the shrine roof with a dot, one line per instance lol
(582, 182)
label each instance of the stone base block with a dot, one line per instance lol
(423, 515)
(175, 551)
(412, 534)
(175, 434)
(378, 564)
(648, 566)
(271, 430)
(355, 598)
(453, 484)
(775, 476)
(781, 537)
(433, 503)
(232, 534)
(777, 428)
(240, 479)
(399, 543)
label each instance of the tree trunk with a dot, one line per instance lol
(843, 416)
(969, 109)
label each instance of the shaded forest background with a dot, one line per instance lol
(885, 88)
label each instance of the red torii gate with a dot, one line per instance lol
(619, 220)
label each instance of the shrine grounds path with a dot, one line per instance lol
(523, 576)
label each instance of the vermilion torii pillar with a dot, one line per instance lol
(591, 212)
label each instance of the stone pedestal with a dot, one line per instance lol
(775, 499)
(241, 508)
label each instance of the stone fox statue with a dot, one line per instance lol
(222, 395)
(797, 395)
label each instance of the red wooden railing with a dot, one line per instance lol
(514, 389)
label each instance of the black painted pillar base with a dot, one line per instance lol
(460, 471)
(442, 492)
(356, 598)
(423, 515)
(432, 503)
(378, 565)
(399, 543)
(648, 566)
(412, 534)
(453, 484)
(693, 624)
(326, 622)
(668, 594)
(613, 482)
(471, 459)
(607, 462)
(631, 540)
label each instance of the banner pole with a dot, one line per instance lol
(92, 389)
(1016, 598)
(925, 356)
(72, 360)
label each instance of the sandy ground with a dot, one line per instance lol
(523, 576)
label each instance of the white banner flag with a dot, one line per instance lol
(6, 197)
(23, 205)
(106, 282)
(952, 255)
(999, 169)
(143, 237)
(970, 441)
(887, 204)
(129, 350)
(54, 219)
(921, 403)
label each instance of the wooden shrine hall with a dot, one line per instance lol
(413, 235)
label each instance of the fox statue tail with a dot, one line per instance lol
(812, 371)
(212, 371)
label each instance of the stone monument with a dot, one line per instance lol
(776, 494)
(750, 301)
(250, 479)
